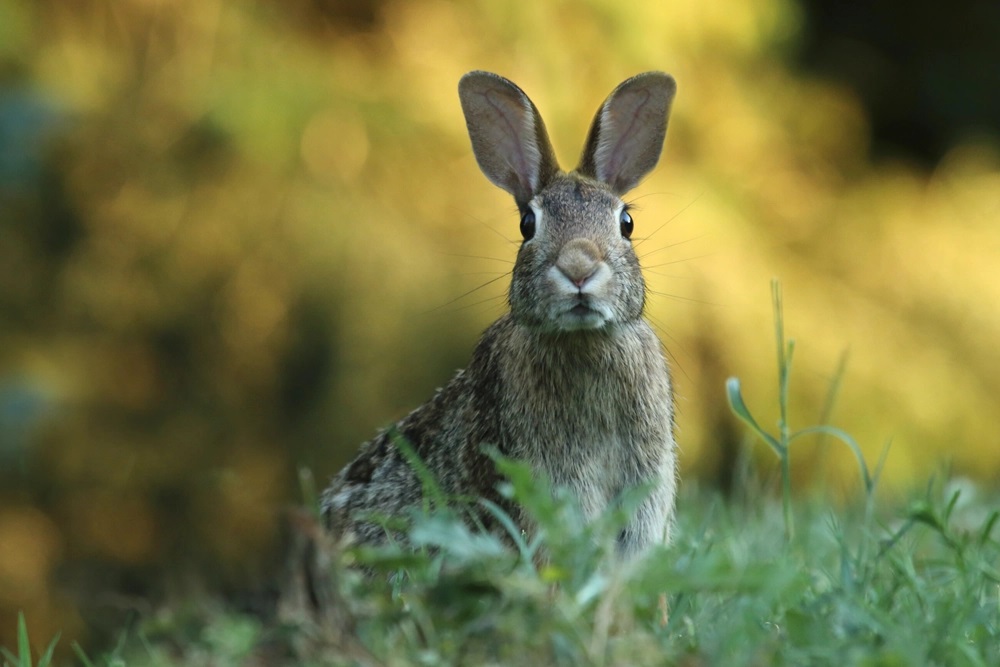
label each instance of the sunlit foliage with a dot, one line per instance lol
(236, 237)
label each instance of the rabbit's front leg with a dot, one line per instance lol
(652, 522)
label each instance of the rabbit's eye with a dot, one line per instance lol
(528, 224)
(625, 220)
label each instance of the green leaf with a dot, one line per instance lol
(432, 491)
(844, 437)
(23, 643)
(46, 658)
(81, 655)
(527, 553)
(984, 536)
(739, 408)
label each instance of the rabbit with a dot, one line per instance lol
(572, 380)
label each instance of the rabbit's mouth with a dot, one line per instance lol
(582, 315)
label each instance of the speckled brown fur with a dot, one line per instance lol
(572, 380)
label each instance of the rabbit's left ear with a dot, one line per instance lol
(508, 135)
(626, 137)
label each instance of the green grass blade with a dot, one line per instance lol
(833, 390)
(952, 503)
(82, 656)
(46, 658)
(830, 404)
(882, 457)
(779, 325)
(988, 527)
(526, 552)
(785, 352)
(739, 408)
(845, 438)
(432, 490)
(23, 643)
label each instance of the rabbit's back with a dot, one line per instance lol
(446, 434)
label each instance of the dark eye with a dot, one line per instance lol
(626, 224)
(528, 224)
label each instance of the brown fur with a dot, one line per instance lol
(573, 380)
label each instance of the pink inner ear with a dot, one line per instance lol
(515, 140)
(619, 133)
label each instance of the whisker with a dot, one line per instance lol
(492, 259)
(676, 344)
(678, 261)
(671, 245)
(677, 297)
(651, 194)
(469, 274)
(479, 303)
(471, 291)
(493, 229)
(668, 221)
(671, 276)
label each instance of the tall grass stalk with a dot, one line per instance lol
(781, 443)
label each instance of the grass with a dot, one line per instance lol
(751, 580)
(919, 585)
(23, 657)
(781, 442)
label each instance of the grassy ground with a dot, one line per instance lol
(916, 584)
(754, 579)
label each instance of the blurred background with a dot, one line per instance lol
(237, 237)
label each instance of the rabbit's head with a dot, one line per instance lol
(576, 269)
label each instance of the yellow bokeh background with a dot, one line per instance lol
(270, 238)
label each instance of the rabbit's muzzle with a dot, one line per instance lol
(581, 282)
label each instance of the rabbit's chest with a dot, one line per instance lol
(595, 438)
(594, 460)
(596, 417)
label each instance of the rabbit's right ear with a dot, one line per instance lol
(508, 136)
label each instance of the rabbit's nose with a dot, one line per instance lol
(579, 260)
